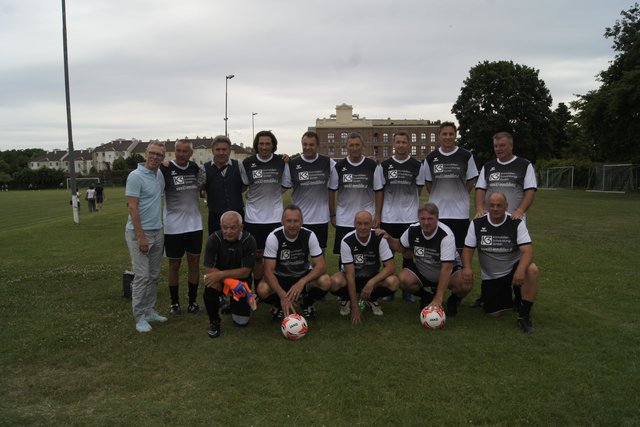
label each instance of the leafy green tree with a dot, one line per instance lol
(133, 160)
(503, 96)
(609, 116)
(561, 123)
(119, 164)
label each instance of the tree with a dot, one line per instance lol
(119, 164)
(133, 160)
(503, 96)
(610, 115)
(561, 122)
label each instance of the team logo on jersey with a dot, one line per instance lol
(390, 166)
(174, 173)
(347, 177)
(418, 251)
(257, 173)
(358, 259)
(486, 240)
(439, 168)
(285, 254)
(393, 174)
(178, 180)
(303, 176)
(298, 167)
(494, 176)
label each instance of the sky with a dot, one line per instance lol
(156, 69)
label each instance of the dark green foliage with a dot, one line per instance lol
(503, 96)
(610, 116)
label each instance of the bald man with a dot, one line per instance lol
(505, 253)
(361, 252)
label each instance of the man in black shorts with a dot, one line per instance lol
(437, 263)
(506, 259)
(229, 254)
(263, 174)
(182, 179)
(288, 274)
(361, 252)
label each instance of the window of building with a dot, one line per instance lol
(413, 137)
(423, 136)
(423, 150)
(343, 151)
(433, 148)
(331, 152)
(375, 138)
(414, 150)
(385, 137)
(385, 152)
(433, 137)
(330, 137)
(343, 137)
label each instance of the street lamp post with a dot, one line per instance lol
(226, 84)
(253, 128)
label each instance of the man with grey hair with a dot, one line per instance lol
(514, 177)
(230, 254)
(143, 234)
(223, 188)
(437, 263)
(181, 180)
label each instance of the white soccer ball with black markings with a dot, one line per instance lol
(433, 317)
(294, 327)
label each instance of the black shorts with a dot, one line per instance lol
(99, 199)
(496, 293)
(340, 233)
(286, 282)
(460, 227)
(260, 232)
(426, 283)
(321, 231)
(394, 230)
(175, 245)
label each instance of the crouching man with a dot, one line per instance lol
(361, 252)
(288, 274)
(506, 259)
(230, 254)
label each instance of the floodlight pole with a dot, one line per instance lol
(226, 85)
(253, 127)
(72, 163)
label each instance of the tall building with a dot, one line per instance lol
(377, 134)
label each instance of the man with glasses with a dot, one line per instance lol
(143, 234)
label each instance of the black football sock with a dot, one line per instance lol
(212, 303)
(193, 292)
(174, 291)
(525, 309)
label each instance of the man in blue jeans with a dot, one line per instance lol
(144, 235)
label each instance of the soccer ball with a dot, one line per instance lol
(432, 317)
(294, 327)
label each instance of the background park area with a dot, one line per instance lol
(71, 355)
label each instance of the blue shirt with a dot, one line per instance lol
(144, 184)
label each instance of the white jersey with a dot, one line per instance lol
(401, 178)
(356, 185)
(310, 182)
(448, 174)
(181, 185)
(264, 195)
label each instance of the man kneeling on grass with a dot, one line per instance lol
(288, 274)
(437, 263)
(361, 252)
(230, 254)
(506, 258)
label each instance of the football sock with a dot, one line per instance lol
(212, 303)
(379, 292)
(193, 292)
(174, 291)
(517, 295)
(525, 309)
(312, 296)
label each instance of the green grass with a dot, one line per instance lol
(71, 355)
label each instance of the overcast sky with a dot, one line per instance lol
(150, 69)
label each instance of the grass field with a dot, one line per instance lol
(71, 356)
